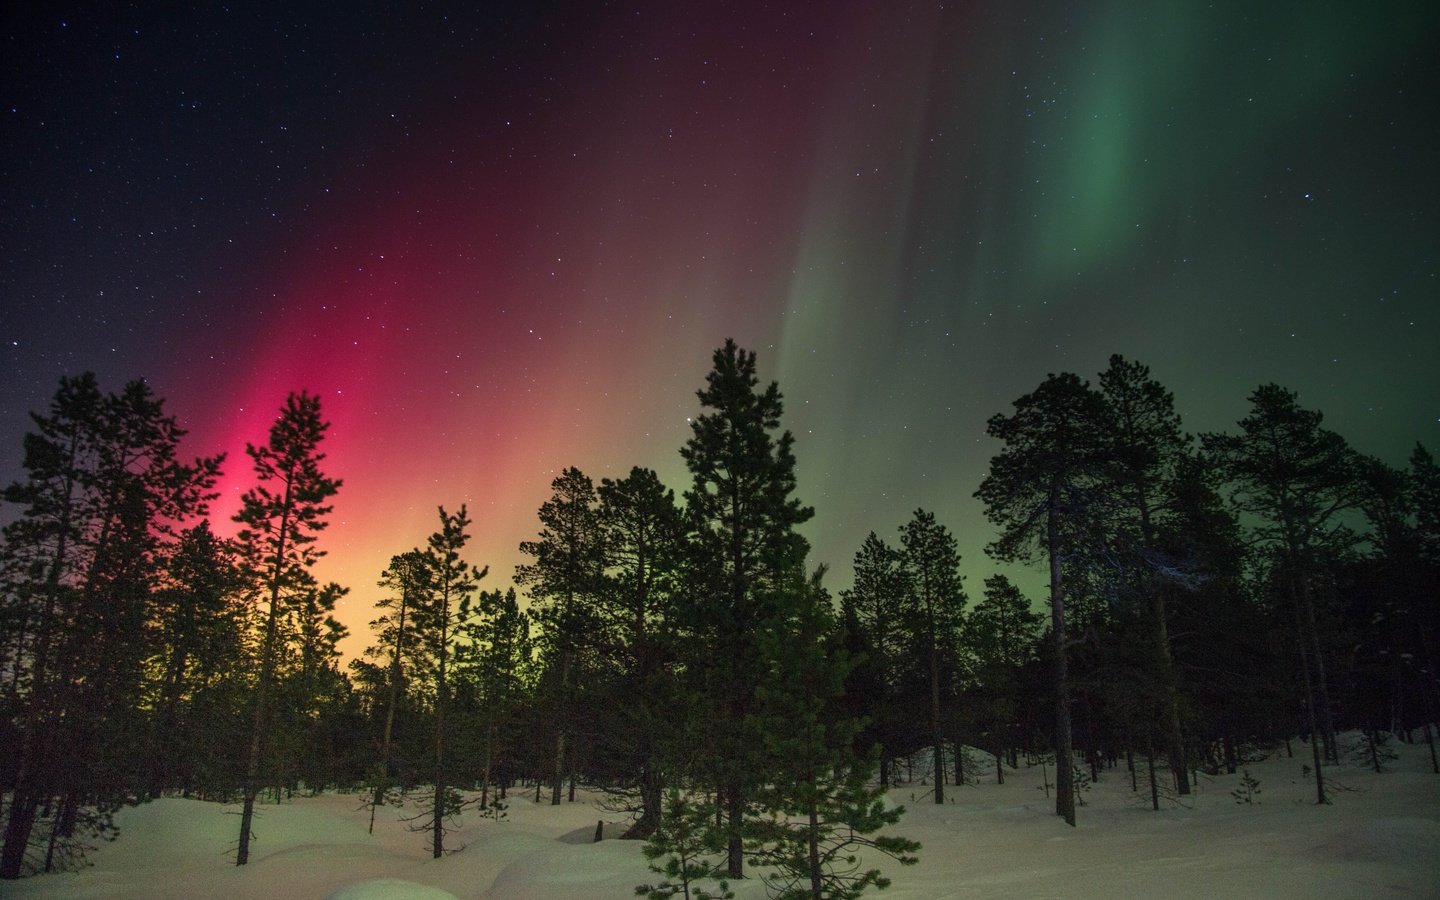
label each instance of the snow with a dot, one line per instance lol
(1380, 838)
(390, 889)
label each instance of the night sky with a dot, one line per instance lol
(504, 242)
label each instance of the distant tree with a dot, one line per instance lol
(641, 531)
(494, 654)
(563, 580)
(1146, 443)
(407, 579)
(280, 518)
(1001, 633)
(1046, 492)
(742, 545)
(881, 600)
(313, 691)
(1235, 682)
(1293, 479)
(931, 562)
(1422, 491)
(198, 651)
(441, 617)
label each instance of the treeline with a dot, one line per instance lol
(1206, 597)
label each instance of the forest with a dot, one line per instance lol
(1206, 598)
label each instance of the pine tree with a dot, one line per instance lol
(1294, 479)
(281, 517)
(882, 602)
(103, 492)
(198, 650)
(563, 581)
(441, 617)
(820, 807)
(1146, 444)
(742, 519)
(641, 531)
(494, 655)
(1001, 633)
(688, 839)
(1045, 491)
(407, 578)
(932, 569)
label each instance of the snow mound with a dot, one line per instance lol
(390, 889)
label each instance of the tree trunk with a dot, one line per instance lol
(1064, 777)
(735, 847)
(1310, 719)
(652, 790)
(1311, 633)
(1174, 738)
(37, 735)
(437, 842)
(267, 674)
(557, 783)
(937, 740)
(258, 727)
(485, 771)
(813, 837)
(23, 809)
(1154, 785)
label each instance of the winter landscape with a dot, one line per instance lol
(1379, 839)
(802, 450)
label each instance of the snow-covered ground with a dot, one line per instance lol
(1379, 838)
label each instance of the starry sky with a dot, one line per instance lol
(500, 241)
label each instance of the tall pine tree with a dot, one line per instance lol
(564, 580)
(281, 517)
(932, 566)
(103, 491)
(441, 617)
(743, 546)
(1294, 480)
(1046, 492)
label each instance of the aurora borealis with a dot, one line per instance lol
(502, 242)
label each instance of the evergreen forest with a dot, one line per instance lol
(1202, 598)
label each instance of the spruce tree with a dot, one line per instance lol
(494, 654)
(742, 517)
(198, 653)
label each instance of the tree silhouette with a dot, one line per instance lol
(281, 516)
